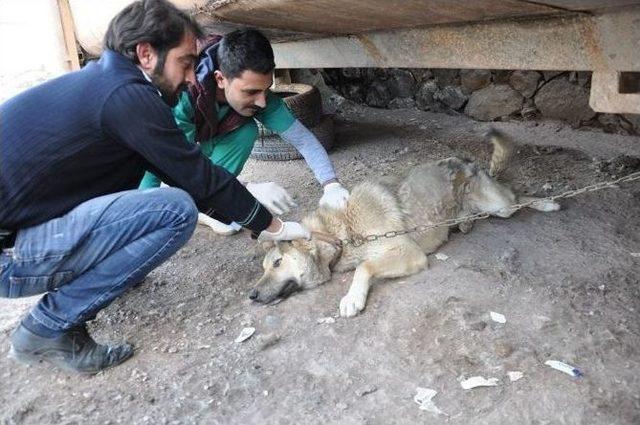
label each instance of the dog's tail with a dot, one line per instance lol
(503, 148)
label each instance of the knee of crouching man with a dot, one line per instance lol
(182, 203)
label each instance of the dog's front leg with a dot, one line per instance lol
(355, 300)
(395, 263)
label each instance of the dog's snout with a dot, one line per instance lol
(254, 294)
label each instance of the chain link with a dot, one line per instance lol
(358, 240)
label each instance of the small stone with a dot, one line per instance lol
(401, 83)
(475, 79)
(525, 82)
(378, 95)
(446, 77)
(494, 101)
(452, 97)
(369, 389)
(424, 97)
(267, 341)
(564, 100)
(503, 349)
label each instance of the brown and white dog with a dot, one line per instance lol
(433, 192)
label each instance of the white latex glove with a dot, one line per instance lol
(335, 196)
(289, 230)
(273, 196)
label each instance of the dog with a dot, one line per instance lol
(431, 193)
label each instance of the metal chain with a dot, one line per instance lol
(358, 240)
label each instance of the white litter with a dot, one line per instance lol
(515, 375)
(497, 317)
(635, 254)
(245, 334)
(547, 186)
(478, 381)
(423, 398)
(563, 367)
(442, 257)
(326, 320)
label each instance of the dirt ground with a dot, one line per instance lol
(567, 283)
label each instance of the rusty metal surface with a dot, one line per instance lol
(306, 18)
(576, 42)
(331, 17)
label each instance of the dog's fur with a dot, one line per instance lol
(431, 193)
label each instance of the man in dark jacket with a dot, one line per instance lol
(72, 151)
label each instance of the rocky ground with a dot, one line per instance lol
(567, 283)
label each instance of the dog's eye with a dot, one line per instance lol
(277, 262)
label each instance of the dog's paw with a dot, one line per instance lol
(351, 304)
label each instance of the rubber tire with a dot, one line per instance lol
(273, 148)
(305, 104)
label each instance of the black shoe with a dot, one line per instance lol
(73, 351)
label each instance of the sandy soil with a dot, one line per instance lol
(567, 283)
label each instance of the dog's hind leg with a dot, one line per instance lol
(540, 204)
(395, 263)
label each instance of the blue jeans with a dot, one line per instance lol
(85, 259)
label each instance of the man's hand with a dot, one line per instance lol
(273, 196)
(335, 196)
(283, 231)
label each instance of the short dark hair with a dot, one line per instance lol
(157, 22)
(245, 49)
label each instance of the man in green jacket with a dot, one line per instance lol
(233, 75)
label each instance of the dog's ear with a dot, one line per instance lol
(304, 245)
(328, 253)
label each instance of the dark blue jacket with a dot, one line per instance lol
(95, 132)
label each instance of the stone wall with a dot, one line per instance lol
(485, 95)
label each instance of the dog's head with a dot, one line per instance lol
(488, 195)
(290, 267)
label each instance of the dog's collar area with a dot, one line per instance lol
(326, 237)
(335, 242)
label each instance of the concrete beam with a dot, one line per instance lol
(606, 44)
(580, 42)
(608, 94)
